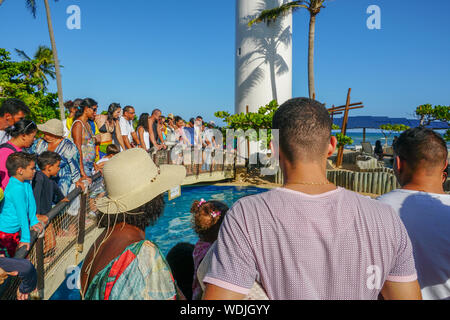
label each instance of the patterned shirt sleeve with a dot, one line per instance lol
(404, 269)
(233, 266)
(73, 159)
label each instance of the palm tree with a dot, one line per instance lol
(43, 64)
(32, 6)
(314, 7)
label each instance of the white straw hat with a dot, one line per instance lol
(132, 179)
(53, 126)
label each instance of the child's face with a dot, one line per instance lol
(28, 172)
(54, 169)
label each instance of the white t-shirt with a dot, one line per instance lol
(4, 137)
(198, 136)
(126, 127)
(427, 219)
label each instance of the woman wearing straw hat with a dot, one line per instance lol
(69, 176)
(121, 264)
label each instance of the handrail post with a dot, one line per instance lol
(40, 266)
(82, 222)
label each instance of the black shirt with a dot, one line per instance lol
(46, 192)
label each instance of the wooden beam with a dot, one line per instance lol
(341, 110)
(340, 156)
(351, 105)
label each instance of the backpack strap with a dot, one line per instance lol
(8, 146)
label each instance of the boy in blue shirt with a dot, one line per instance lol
(18, 210)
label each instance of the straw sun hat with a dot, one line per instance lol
(54, 127)
(132, 179)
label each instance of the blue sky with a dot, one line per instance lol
(179, 55)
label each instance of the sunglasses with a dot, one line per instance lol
(26, 128)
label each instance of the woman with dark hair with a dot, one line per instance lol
(72, 107)
(122, 264)
(22, 136)
(379, 153)
(142, 130)
(83, 137)
(109, 128)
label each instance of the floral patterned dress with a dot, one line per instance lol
(139, 273)
(87, 148)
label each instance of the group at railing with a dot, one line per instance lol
(65, 231)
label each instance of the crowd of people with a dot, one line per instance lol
(67, 154)
(92, 132)
(307, 239)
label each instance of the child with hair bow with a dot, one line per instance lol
(207, 216)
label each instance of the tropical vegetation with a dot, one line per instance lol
(428, 113)
(389, 128)
(32, 6)
(43, 66)
(16, 81)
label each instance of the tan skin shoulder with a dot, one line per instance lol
(123, 236)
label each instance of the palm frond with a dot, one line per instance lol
(22, 54)
(271, 15)
(31, 5)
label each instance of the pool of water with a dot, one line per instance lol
(174, 225)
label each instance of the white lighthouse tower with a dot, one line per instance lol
(263, 57)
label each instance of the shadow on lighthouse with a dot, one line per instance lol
(263, 60)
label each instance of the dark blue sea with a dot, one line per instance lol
(372, 137)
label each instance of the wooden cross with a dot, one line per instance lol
(346, 109)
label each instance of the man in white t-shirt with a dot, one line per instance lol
(11, 112)
(129, 135)
(310, 240)
(420, 158)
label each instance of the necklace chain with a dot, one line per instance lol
(310, 183)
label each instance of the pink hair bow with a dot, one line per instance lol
(215, 214)
(202, 202)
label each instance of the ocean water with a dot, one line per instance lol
(174, 225)
(372, 137)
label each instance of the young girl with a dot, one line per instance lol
(19, 208)
(142, 131)
(206, 218)
(22, 136)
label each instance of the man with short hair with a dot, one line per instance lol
(129, 135)
(11, 111)
(154, 131)
(309, 239)
(420, 161)
(190, 131)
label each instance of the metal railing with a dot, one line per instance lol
(65, 231)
